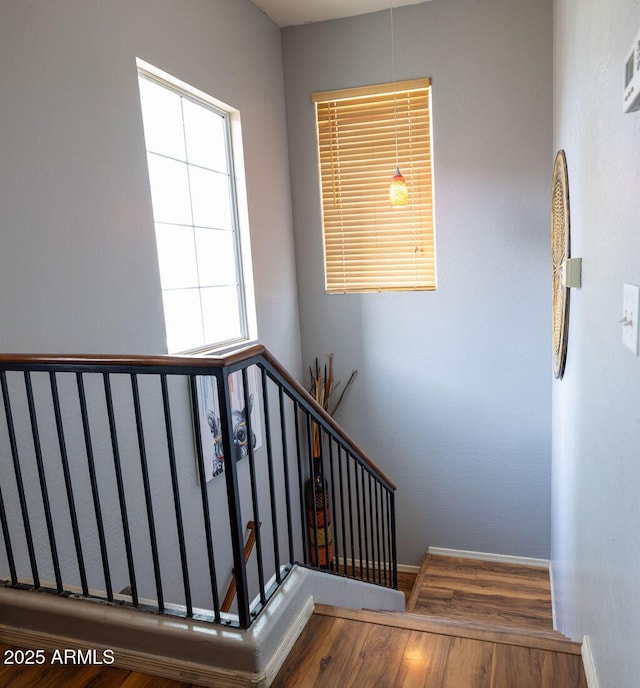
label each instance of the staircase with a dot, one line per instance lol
(491, 628)
(126, 483)
(110, 479)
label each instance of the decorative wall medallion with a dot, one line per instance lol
(560, 251)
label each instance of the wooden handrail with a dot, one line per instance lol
(248, 548)
(134, 360)
(191, 363)
(324, 415)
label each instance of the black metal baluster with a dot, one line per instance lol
(349, 495)
(325, 510)
(373, 553)
(94, 485)
(19, 484)
(285, 465)
(384, 533)
(394, 553)
(389, 537)
(356, 481)
(272, 495)
(343, 516)
(303, 514)
(254, 487)
(336, 551)
(376, 487)
(7, 542)
(68, 485)
(233, 497)
(388, 523)
(43, 480)
(203, 485)
(176, 496)
(147, 492)
(311, 507)
(120, 486)
(364, 518)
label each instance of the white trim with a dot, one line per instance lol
(408, 568)
(554, 617)
(487, 556)
(588, 663)
(402, 568)
(151, 71)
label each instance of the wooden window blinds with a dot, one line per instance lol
(370, 245)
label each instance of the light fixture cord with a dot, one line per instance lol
(393, 79)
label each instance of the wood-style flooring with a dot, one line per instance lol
(65, 676)
(483, 591)
(406, 581)
(365, 652)
(470, 624)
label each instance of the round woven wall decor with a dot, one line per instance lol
(560, 251)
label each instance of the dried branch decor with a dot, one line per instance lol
(322, 389)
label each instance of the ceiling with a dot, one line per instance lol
(291, 12)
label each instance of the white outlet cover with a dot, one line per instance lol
(630, 310)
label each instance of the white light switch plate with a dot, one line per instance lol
(630, 308)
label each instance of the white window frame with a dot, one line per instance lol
(239, 207)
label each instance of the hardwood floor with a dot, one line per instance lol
(406, 581)
(65, 676)
(483, 591)
(335, 651)
(470, 624)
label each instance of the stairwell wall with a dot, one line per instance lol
(596, 406)
(78, 262)
(453, 393)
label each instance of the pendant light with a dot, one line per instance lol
(398, 192)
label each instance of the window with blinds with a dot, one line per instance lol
(370, 245)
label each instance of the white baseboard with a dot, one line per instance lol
(408, 568)
(402, 568)
(487, 556)
(554, 617)
(588, 663)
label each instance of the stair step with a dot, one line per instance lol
(523, 637)
(485, 625)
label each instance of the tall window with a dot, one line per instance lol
(195, 208)
(370, 245)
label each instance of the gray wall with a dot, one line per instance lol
(78, 264)
(596, 407)
(452, 399)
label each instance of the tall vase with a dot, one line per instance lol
(319, 519)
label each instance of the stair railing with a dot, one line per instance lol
(130, 479)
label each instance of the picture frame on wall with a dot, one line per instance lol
(210, 426)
